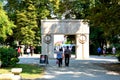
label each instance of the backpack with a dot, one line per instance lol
(67, 51)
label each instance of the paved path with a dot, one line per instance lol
(78, 69)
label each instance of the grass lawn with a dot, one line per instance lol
(29, 71)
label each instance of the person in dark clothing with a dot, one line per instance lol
(67, 54)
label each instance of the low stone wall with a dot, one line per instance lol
(15, 75)
(6, 76)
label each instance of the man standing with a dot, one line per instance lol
(99, 51)
(67, 54)
(113, 50)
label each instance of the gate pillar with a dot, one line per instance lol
(47, 47)
(82, 46)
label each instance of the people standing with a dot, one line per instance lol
(22, 51)
(67, 54)
(28, 51)
(104, 51)
(60, 57)
(32, 50)
(113, 50)
(99, 51)
(19, 51)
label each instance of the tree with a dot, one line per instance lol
(26, 13)
(26, 21)
(106, 15)
(67, 9)
(104, 23)
(6, 25)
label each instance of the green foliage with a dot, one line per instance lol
(24, 14)
(104, 23)
(76, 8)
(117, 45)
(70, 39)
(118, 55)
(8, 56)
(27, 24)
(97, 39)
(68, 42)
(29, 71)
(105, 14)
(38, 49)
(6, 25)
(27, 15)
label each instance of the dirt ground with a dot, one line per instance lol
(115, 67)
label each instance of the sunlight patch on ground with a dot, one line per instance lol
(112, 73)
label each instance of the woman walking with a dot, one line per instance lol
(60, 57)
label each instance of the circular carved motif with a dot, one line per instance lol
(82, 38)
(47, 39)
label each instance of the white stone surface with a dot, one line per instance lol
(65, 27)
(16, 70)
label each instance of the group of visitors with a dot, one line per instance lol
(100, 51)
(22, 50)
(63, 55)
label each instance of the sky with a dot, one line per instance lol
(58, 38)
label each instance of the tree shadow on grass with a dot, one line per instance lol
(30, 71)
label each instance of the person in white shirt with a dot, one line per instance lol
(113, 50)
(28, 51)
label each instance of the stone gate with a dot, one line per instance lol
(79, 28)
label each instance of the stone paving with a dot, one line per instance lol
(78, 69)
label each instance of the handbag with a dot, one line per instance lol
(57, 61)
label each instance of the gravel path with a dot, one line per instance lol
(78, 69)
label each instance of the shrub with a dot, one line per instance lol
(8, 56)
(38, 49)
(118, 55)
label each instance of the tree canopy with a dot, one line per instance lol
(104, 24)
(106, 15)
(6, 25)
(103, 16)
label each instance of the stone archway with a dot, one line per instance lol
(66, 27)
